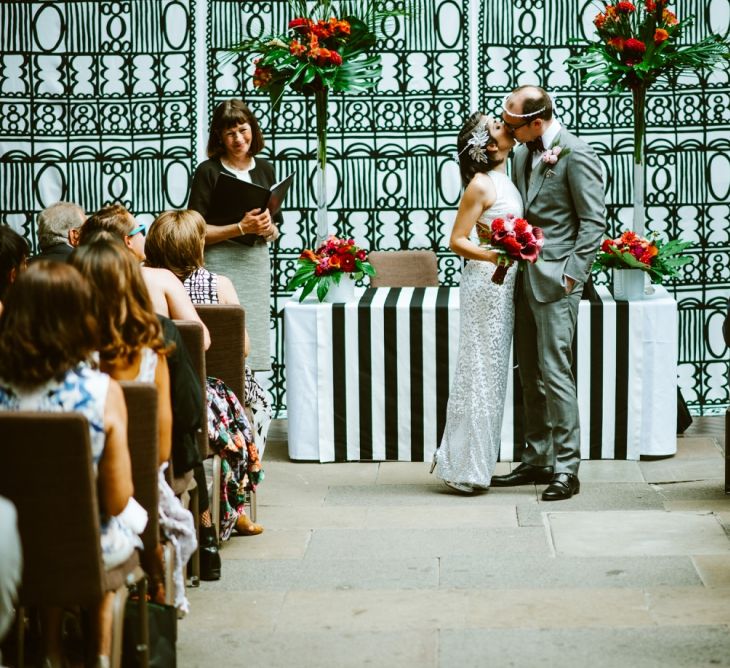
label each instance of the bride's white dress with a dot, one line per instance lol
(470, 445)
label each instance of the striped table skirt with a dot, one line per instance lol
(369, 379)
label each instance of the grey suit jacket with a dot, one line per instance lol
(567, 201)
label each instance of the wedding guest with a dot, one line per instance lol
(240, 250)
(176, 241)
(11, 565)
(58, 230)
(168, 298)
(14, 251)
(131, 347)
(47, 335)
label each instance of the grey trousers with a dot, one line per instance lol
(544, 345)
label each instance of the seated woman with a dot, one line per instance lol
(167, 297)
(176, 241)
(14, 252)
(47, 336)
(131, 347)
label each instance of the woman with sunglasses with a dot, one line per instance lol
(168, 296)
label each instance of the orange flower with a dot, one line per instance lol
(296, 48)
(611, 12)
(660, 35)
(617, 43)
(335, 261)
(669, 18)
(308, 255)
(599, 20)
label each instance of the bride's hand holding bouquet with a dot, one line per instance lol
(513, 240)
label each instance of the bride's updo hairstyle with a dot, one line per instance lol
(468, 164)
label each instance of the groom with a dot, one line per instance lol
(559, 178)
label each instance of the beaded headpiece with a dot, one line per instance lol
(478, 141)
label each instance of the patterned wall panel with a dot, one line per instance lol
(97, 104)
(687, 174)
(99, 100)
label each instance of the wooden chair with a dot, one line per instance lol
(142, 439)
(404, 269)
(225, 359)
(53, 487)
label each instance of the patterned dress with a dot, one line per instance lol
(236, 432)
(470, 445)
(82, 390)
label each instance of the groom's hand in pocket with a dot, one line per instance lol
(569, 284)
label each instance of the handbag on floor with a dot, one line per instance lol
(162, 622)
(684, 419)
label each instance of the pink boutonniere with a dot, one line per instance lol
(553, 154)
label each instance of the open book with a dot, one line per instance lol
(232, 198)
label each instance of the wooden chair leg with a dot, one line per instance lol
(253, 505)
(20, 638)
(120, 599)
(195, 510)
(216, 497)
(143, 649)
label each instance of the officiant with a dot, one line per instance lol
(239, 250)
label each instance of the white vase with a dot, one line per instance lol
(628, 284)
(341, 292)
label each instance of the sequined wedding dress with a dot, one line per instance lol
(471, 441)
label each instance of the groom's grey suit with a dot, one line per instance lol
(567, 201)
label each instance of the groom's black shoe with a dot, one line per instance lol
(524, 474)
(562, 486)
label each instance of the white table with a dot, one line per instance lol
(368, 380)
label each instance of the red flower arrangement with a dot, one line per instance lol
(630, 251)
(327, 265)
(514, 239)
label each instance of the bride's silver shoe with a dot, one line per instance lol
(461, 487)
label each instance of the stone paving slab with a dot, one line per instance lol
(594, 496)
(702, 490)
(713, 569)
(689, 605)
(339, 574)
(676, 647)
(410, 473)
(381, 517)
(610, 471)
(314, 649)
(405, 543)
(636, 533)
(268, 545)
(697, 447)
(681, 470)
(334, 473)
(536, 572)
(416, 495)
(278, 492)
(253, 612)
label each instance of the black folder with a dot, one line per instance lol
(232, 198)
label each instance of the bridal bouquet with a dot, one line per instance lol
(514, 239)
(630, 251)
(328, 265)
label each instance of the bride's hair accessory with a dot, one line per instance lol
(478, 141)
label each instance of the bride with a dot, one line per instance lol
(468, 452)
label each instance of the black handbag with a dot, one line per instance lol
(684, 419)
(162, 623)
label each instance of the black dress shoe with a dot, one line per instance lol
(210, 558)
(524, 474)
(562, 486)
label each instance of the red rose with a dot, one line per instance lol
(300, 25)
(607, 246)
(522, 226)
(347, 262)
(634, 50)
(625, 7)
(335, 58)
(361, 255)
(512, 246)
(498, 225)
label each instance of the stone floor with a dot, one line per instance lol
(378, 564)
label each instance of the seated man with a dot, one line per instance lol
(58, 230)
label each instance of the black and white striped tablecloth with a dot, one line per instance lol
(369, 379)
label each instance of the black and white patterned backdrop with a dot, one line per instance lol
(110, 101)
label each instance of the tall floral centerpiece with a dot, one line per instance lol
(637, 44)
(328, 47)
